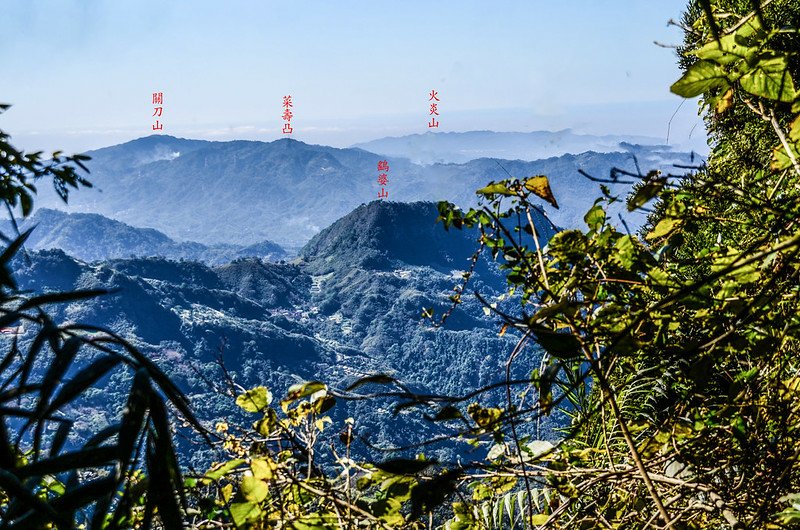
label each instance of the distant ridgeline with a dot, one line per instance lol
(93, 237)
(350, 305)
(461, 147)
(286, 191)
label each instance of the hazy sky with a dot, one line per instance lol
(80, 73)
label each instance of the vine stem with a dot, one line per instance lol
(517, 349)
(336, 500)
(787, 148)
(637, 459)
(760, 111)
(538, 248)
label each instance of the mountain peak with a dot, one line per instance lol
(383, 235)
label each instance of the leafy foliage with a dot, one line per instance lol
(678, 347)
(20, 171)
(276, 476)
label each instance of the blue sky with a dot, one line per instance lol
(80, 73)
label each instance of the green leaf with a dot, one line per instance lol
(255, 400)
(496, 451)
(595, 217)
(85, 458)
(508, 503)
(743, 274)
(732, 47)
(545, 387)
(302, 390)
(428, 495)
(663, 228)
(388, 511)
(625, 251)
(134, 416)
(539, 519)
(85, 494)
(699, 79)
(268, 423)
(794, 130)
(8, 253)
(770, 79)
(242, 512)
(13, 488)
(781, 160)
(26, 201)
(323, 404)
(485, 417)
(254, 489)
(220, 470)
(493, 188)
(60, 438)
(646, 192)
(262, 469)
(163, 470)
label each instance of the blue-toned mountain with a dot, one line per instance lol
(461, 147)
(381, 235)
(348, 306)
(244, 192)
(93, 237)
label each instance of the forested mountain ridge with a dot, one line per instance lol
(380, 234)
(93, 237)
(244, 192)
(350, 305)
(461, 147)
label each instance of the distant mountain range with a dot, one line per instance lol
(93, 237)
(460, 147)
(170, 226)
(244, 192)
(348, 306)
